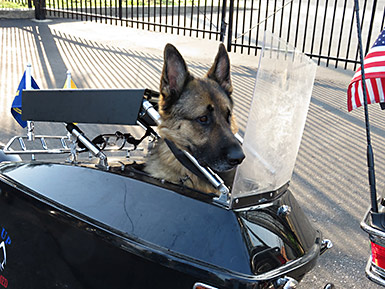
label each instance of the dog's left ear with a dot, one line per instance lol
(220, 70)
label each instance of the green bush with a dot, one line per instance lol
(13, 5)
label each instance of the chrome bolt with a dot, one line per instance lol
(286, 283)
(283, 211)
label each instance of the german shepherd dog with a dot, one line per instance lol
(196, 115)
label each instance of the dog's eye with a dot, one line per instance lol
(204, 119)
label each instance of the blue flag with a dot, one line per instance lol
(16, 109)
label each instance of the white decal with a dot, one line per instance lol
(2, 246)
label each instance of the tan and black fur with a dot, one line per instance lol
(196, 114)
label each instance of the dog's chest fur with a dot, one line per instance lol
(162, 164)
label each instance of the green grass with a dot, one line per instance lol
(11, 5)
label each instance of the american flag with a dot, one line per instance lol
(374, 66)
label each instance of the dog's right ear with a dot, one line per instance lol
(220, 70)
(174, 76)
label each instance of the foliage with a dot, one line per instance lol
(12, 5)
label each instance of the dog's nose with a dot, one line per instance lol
(235, 156)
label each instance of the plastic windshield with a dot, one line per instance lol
(276, 119)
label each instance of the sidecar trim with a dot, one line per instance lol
(374, 273)
(374, 270)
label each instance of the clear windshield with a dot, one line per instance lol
(276, 119)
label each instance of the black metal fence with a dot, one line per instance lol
(323, 29)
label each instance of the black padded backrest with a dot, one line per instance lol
(104, 106)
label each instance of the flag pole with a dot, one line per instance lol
(28, 85)
(369, 150)
(67, 85)
(68, 79)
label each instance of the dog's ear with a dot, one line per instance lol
(220, 70)
(174, 76)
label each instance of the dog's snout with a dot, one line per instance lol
(235, 156)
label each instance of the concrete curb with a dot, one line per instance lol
(23, 13)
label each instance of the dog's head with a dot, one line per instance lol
(197, 112)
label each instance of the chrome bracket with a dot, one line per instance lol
(325, 245)
(286, 283)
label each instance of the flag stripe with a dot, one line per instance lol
(357, 86)
(382, 94)
(377, 71)
(373, 83)
(350, 98)
(369, 91)
(374, 59)
(379, 48)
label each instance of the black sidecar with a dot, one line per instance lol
(80, 224)
(67, 226)
(101, 222)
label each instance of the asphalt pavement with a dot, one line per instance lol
(330, 176)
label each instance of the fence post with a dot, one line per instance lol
(368, 42)
(230, 26)
(120, 10)
(29, 3)
(40, 9)
(223, 21)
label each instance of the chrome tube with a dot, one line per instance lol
(92, 148)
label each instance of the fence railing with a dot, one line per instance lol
(198, 18)
(323, 29)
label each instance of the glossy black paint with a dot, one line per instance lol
(8, 158)
(79, 227)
